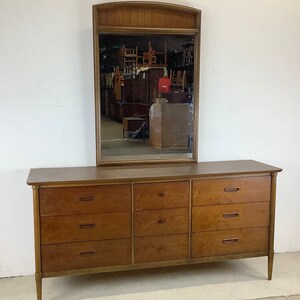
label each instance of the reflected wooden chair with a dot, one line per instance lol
(178, 79)
(128, 57)
(149, 57)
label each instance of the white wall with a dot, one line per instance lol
(250, 67)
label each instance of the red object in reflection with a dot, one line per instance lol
(164, 85)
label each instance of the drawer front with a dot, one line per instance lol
(223, 242)
(231, 190)
(71, 256)
(161, 195)
(161, 222)
(63, 229)
(230, 216)
(82, 200)
(161, 248)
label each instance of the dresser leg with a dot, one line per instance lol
(270, 264)
(38, 283)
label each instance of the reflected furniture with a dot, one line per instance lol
(134, 128)
(90, 219)
(167, 131)
(141, 88)
(178, 79)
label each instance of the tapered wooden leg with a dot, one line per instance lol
(272, 226)
(37, 242)
(270, 264)
(38, 283)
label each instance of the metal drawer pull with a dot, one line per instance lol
(87, 226)
(231, 215)
(89, 253)
(230, 241)
(231, 189)
(86, 198)
(161, 194)
(161, 221)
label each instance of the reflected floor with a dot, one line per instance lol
(134, 147)
(113, 143)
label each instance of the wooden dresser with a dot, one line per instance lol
(102, 219)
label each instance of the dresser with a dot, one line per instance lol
(103, 219)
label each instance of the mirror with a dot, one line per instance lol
(147, 96)
(146, 84)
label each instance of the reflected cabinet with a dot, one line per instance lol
(146, 82)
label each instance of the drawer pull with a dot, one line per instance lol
(161, 194)
(88, 253)
(230, 241)
(231, 215)
(86, 198)
(162, 221)
(87, 226)
(160, 247)
(231, 189)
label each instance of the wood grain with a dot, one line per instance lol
(161, 195)
(72, 256)
(224, 242)
(152, 265)
(231, 190)
(230, 216)
(137, 173)
(83, 200)
(37, 242)
(145, 14)
(272, 226)
(161, 222)
(63, 229)
(161, 248)
(142, 18)
(150, 251)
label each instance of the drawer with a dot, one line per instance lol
(223, 242)
(161, 195)
(231, 190)
(161, 222)
(63, 229)
(83, 255)
(161, 248)
(87, 199)
(230, 216)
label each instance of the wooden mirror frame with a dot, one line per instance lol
(146, 18)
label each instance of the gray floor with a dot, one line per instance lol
(238, 279)
(114, 145)
(111, 130)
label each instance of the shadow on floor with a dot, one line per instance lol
(137, 281)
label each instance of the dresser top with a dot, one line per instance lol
(84, 175)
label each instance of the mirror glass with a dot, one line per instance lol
(146, 96)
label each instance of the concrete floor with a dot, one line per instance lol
(113, 144)
(236, 279)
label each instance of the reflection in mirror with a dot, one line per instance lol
(147, 96)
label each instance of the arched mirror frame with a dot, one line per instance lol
(145, 18)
